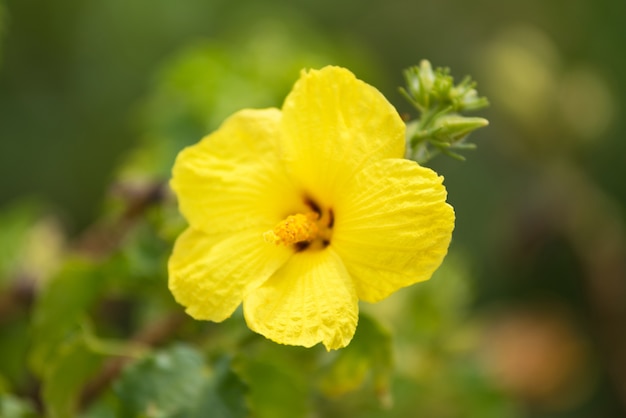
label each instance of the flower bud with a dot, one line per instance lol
(454, 128)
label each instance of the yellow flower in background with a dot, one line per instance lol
(300, 213)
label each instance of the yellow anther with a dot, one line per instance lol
(293, 229)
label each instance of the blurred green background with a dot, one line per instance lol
(109, 90)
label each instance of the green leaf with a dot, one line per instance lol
(61, 308)
(278, 379)
(14, 407)
(165, 384)
(368, 357)
(175, 382)
(66, 375)
(223, 396)
(15, 222)
(14, 340)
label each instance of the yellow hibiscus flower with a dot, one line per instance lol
(300, 213)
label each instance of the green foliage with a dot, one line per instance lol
(60, 353)
(369, 356)
(161, 385)
(60, 310)
(223, 395)
(277, 381)
(65, 375)
(176, 382)
(14, 340)
(15, 223)
(14, 407)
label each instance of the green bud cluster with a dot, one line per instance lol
(440, 127)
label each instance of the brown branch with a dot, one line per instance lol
(102, 238)
(19, 296)
(98, 241)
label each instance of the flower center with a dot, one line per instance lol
(293, 229)
(312, 229)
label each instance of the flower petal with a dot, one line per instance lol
(232, 180)
(392, 227)
(333, 125)
(210, 275)
(310, 300)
